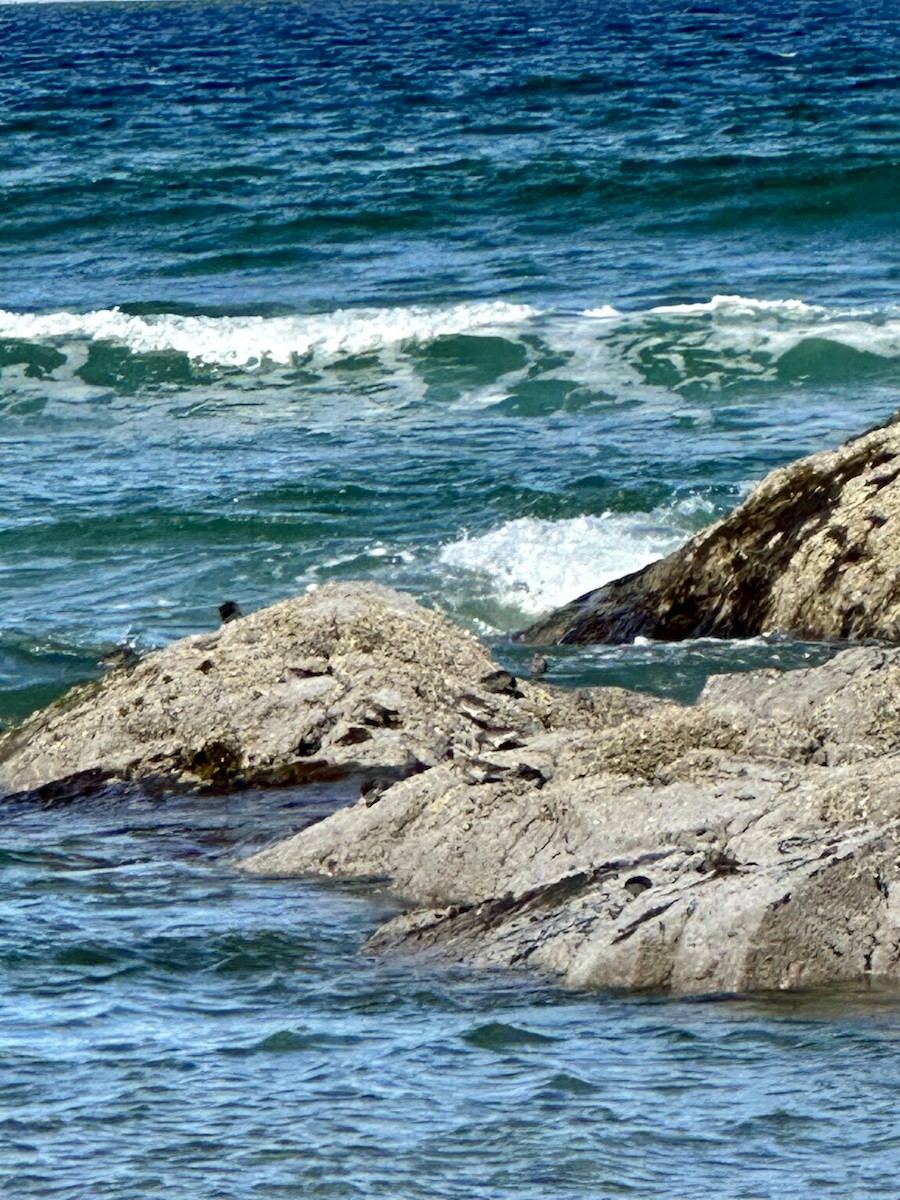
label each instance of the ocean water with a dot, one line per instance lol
(491, 302)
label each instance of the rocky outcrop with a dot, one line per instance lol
(813, 551)
(612, 839)
(350, 677)
(749, 841)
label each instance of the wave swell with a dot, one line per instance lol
(248, 341)
(705, 347)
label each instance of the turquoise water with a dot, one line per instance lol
(490, 302)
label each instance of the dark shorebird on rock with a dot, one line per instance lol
(230, 611)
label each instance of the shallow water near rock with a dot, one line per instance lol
(676, 671)
(170, 1025)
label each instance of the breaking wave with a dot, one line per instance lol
(532, 566)
(248, 341)
(689, 349)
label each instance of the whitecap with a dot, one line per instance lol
(739, 306)
(534, 565)
(251, 341)
(604, 312)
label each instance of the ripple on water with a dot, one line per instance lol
(224, 1026)
(496, 1035)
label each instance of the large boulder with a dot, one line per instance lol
(350, 677)
(749, 841)
(813, 551)
(348, 674)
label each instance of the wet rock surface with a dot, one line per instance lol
(813, 551)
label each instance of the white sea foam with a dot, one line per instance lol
(604, 312)
(741, 306)
(712, 344)
(536, 565)
(776, 326)
(251, 341)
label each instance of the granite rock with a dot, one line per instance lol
(607, 838)
(349, 677)
(349, 674)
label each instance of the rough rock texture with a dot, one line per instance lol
(350, 676)
(813, 551)
(749, 841)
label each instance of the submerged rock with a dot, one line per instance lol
(813, 551)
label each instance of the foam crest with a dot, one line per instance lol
(741, 306)
(722, 342)
(776, 326)
(605, 312)
(248, 341)
(537, 565)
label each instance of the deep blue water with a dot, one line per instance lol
(493, 302)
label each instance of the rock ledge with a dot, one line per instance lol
(612, 839)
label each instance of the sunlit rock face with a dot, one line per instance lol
(813, 551)
(608, 838)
